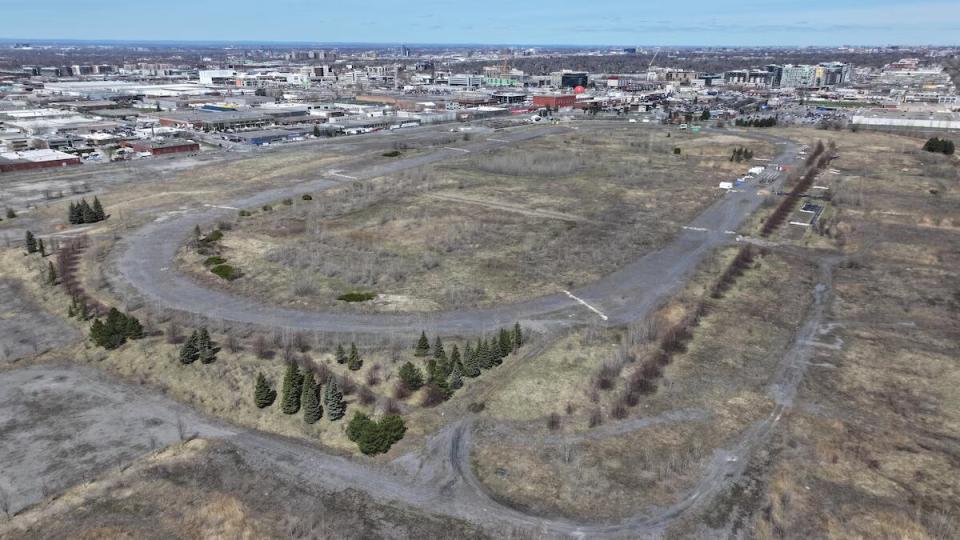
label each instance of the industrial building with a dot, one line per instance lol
(555, 101)
(164, 147)
(35, 159)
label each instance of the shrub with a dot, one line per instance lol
(225, 271)
(307, 197)
(356, 296)
(244, 213)
(214, 261)
(391, 153)
(214, 236)
(676, 150)
(267, 208)
(938, 145)
(375, 437)
(288, 202)
(115, 330)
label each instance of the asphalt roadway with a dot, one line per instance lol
(146, 262)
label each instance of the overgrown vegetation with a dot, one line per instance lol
(373, 437)
(940, 146)
(83, 212)
(115, 330)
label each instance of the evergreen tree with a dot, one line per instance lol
(206, 351)
(189, 351)
(471, 364)
(340, 355)
(333, 400)
(51, 274)
(423, 346)
(41, 248)
(98, 214)
(87, 214)
(411, 376)
(517, 337)
(496, 355)
(432, 371)
(73, 215)
(506, 342)
(354, 363)
(484, 358)
(456, 376)
(263, 394)
(316, 130)
(30, 242)
(438, 351)
(292, 385)
(312, 410)
(454, 360)
(132, 328)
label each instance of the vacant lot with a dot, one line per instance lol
(654, 452)
(543, 216)
(204, 489)
(26, 328)
(871, 449)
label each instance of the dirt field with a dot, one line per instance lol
(708, 397)
(26, 328)
(546, 215)
(870, 451)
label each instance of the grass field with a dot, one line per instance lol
(545, 215)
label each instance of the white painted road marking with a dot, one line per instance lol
(464, 150)
(698, 229)
(588, 306)
(498, 140)
(343, 175)
(221, 206)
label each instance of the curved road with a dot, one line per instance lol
(146, 262)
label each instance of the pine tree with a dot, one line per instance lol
(51, 274)
(292, 385)
(30, 242)
(333, 400)
(517, 337)
(506, 342)
(411, 376)
(354, 363)
(206, 352)
(484, 360)
(98, 214)
(41, 248)
(312, 410)
(438, 351)
(432, 371)
(471, 365)
(496, 355)
(423, 346)
(456, 376)
(87, 214)
(263, 395)
(341, 355)
(132, 328)
(73, 215)
(189, 351)
(454, 360)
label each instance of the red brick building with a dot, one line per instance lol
(35, 159)
(555, 102)
(160, 148)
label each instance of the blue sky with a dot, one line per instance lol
(580, 22)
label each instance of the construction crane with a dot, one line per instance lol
(655, 53)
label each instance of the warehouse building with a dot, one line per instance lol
(555, 101)
(35, 159)
(163, 147)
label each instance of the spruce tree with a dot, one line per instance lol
(41, 248)
(496, 355)
(423, 345)
(30, 243)
(470, 364)
(98, 213)
(517, 337)
(312, 410)
(263, 394)
(506, 342)
(484, 360)
(73, 214)
(454, 360)
(456, 376)
(189, 351)
(333, 400)
(438, 351)
(87, 214)
(51, 274)
(340, 355)
(292, 384)
(354, 363)
(433, 373)
(206, 352)
(132, 328)
(411, 376)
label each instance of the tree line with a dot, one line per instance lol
(756, 122)
(83, 212)
(741, 154)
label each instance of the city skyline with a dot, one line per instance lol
(608, 22)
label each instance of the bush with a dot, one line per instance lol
(307, 197)
(391, 153)
(375, 437)
(115, 330)
(267, 208)
(356, 296)
(225, 271)
(676, 150)
(288, 202)
(411, 376)
(940, 146)
(214, 236)
(244, 213)
(215, 260)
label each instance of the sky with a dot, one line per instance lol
(514, 22)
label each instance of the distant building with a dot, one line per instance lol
(165, 147)
(35, 159)
(569, 79)
(463, 79)
(555, 101)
